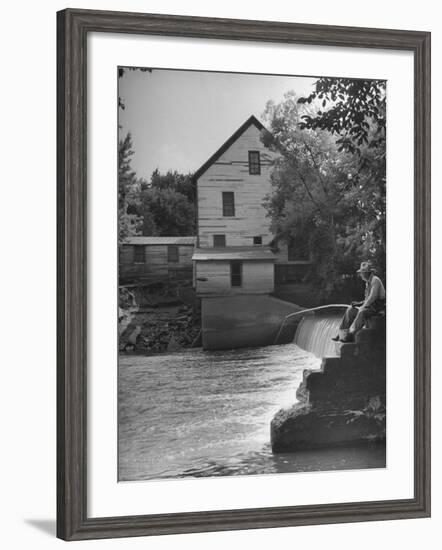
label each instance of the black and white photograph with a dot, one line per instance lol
(219, 246)
(252, 261)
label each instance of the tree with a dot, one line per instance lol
(355, 112)
(166, 212)
(129, 223)
(321, 195)
(182, 183)
(308, 180)
(167, 204)
(353, 109)
(163, 206)
(121, 73)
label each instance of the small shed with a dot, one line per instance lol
(156, 258)
(233, 270)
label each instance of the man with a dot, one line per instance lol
(357, 314)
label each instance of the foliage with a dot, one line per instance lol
(351, 109)
(165, 205)
(121, 73)
(355, 112)
(129, 223)
(182, 183)
(166, 212)
(326, 193)
(126, 176)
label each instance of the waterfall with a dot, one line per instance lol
(315, 332)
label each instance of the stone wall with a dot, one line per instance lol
(342, 403)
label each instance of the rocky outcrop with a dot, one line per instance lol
(161, 329)
(156, 319)
(342, 403)
(307, 427)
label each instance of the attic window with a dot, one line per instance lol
(254, 163)
(257, 240)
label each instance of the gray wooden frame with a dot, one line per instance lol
(73, 27)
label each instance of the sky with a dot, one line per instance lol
(178, 119)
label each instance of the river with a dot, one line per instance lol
(199, 413)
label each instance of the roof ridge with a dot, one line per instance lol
(211, 160)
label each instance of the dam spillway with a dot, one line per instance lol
(315, 332)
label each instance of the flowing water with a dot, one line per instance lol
(315, 333)
(201, 413)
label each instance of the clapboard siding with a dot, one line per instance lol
(257, 278)
(156, 261)
(230, 172)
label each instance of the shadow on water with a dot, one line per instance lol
(363, 456)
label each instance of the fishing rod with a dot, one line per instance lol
(309, 310)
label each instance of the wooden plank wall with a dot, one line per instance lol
(156, 263)
(231, 173)
(257, 278)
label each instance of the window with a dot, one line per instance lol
(257, 240)
(219, 241)
(236, 273)
(254, 163)
(172, 253)
(228, 203)
(139, 254)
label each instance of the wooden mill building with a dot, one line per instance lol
(236, 250)
(236, 254)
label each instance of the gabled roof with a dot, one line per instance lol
(138, 239)
(251, 120)
(234, 253)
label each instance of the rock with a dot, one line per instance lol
(132, 338)
(126, 298)
(173, 344)
(157, 315)
(304, 427)
(302, 393)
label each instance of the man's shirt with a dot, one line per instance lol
(374, 290)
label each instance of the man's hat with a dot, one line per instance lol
(366, 267)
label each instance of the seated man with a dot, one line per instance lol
(357, 314)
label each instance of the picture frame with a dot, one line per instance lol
(73, 27)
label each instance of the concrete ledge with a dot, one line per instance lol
(349, 350)
(366, 335)
(243, 321)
